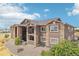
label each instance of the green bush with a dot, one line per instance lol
(45, 53)
(64, 48)
(6, 35)
(17, 41)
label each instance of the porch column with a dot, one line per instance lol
(27, 35)
(12, 31)
(18, 31)
(47, 36)
(35, 37)
(15, 31)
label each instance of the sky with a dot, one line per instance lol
(14, 13)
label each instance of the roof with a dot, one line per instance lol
(68, 25)
(17, 25)
(40, 22)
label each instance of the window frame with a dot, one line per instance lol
(53, 27)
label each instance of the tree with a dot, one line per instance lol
(64, 48)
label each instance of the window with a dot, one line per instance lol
(43, 29)
(53, 28)
(31, 37)
(31, 30)
(54, 40)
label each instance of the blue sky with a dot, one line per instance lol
(14, 13)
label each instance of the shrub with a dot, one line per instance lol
(17, 41)
(64, 48)
(6, 35)
(45, 53)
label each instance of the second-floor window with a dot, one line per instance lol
(53, 28)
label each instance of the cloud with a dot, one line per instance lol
(14, 13)
(9, 8)
(19, 15)
(46, 10)
(75, 10)
(36, 14)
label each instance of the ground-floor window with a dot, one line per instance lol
(31, 37)
(54, 40)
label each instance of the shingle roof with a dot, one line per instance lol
(68, 25)
(40, 22)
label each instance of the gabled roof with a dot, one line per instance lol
(40, 22)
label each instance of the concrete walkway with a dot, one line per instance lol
(27, 50)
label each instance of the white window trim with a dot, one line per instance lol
(53, 31)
